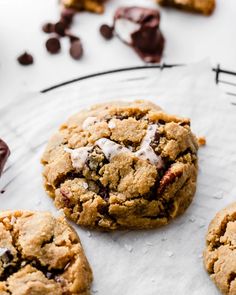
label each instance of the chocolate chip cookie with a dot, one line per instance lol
(96, 6)
(220, 252)
(202, 6)
(122, 165)
(41, 254)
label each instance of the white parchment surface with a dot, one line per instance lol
(165, 261)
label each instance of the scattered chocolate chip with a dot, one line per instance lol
(72, 37)
(67, 15)
(76, 49)
(60, 28)
(25, 59)
(48, 28)
(53, 45)
(2, 191)
(4, 154)
(106, 31)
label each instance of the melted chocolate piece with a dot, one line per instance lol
(147, 40)
(4, 154)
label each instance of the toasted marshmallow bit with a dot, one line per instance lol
(124, 28)
(79, 156)
(111, 148)
(89, 122)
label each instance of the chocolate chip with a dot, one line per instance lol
(25, 59)
(157, 137)
(2, 191)
(76, 49)
(4, 154)
(60, 28)
(48, 28)
(53, 45)
(104, 193)
(106, 31)
(67, 15)
(72, 37)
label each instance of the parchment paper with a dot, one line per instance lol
(164, 261)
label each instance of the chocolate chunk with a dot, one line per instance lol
(4, 154)
(60, 28)
(53, 45)
(48, 28)
(139, 27)
(76, 49)
(106, 31)
(25, 59)
(149, 44)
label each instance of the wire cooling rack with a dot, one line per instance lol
(224, 78)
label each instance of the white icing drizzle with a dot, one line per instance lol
(88, 122)
(110, 148)
(79, 156)
(146, 151)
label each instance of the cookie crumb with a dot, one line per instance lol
(170, 253)
(191, 219)
(128, 247)
(201, 141)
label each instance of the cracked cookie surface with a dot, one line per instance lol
(41, 255)
(122, 165)
(220, 252)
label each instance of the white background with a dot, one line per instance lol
(189, 38)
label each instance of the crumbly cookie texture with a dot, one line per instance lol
(220, 252)
(42, 255)
(122, 165)
(96, 6)
(202, 6)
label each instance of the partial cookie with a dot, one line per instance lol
(122, 165)
(202, 6)
(41, 254)
(220, 252)
(96, 6)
